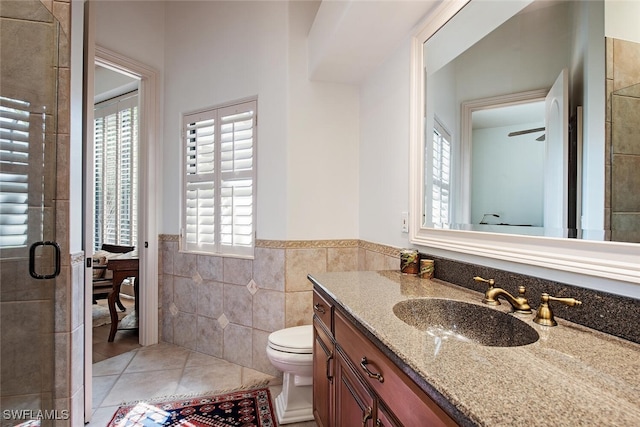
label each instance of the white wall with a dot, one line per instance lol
(307, 132)
(323, 132)
(211, 53)
(219, 52)
(384, 150)
(134, 29)
(621, 19)
(507, 176)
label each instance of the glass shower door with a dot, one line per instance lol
(29, 256)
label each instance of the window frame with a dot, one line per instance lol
(217, 178)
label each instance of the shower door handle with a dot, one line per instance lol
(32, 260)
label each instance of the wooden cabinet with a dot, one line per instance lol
(323, 362)
(356, 384)
(354, 402)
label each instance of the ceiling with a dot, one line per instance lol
(350, 38)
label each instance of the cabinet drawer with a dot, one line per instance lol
(401, 395)
(323, 312)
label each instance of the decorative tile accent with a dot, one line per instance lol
(197, 278)
(252, 287)
(173, 309)
(223, 321)
(306, 244)
(168, 237)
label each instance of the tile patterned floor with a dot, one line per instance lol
(164, 370)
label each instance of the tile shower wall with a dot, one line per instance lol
(622, 205)
(28, 295)
(227, 307)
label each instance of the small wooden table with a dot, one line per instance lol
(123, 266)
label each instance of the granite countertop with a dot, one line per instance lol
(571, 376)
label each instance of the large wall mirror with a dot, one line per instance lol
(511, 123)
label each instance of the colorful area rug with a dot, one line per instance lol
(246, 408)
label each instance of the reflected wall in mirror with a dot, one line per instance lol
(477, 82)
(463, 55)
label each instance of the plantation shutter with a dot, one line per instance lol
(219, 211)
(199, 211)
(441, 176)
(14, 173)
(116, 171)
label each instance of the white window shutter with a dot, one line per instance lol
(219, 190)
(14, 173)
(441, 176)
(116, 171)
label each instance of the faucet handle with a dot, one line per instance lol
(491, 282)
(544, 316)
(488, 297)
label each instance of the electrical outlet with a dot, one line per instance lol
(405, 222)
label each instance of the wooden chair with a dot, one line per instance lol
(102, 285)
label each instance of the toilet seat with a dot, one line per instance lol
(297, 340)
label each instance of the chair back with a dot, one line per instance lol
(117, 249)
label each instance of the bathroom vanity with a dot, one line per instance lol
(373, 368)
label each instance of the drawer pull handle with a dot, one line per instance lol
(319, 308)
(363, 363)
(329, 376)
(367, 415)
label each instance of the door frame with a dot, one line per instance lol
(463, 188)
(149, 157)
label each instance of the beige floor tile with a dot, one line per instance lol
(164, 359)
(143, 385)
(210, 378)
(101, 387)
(252, 377)
(114, 365)
(164, 370)
(102, 416)
(199, 359)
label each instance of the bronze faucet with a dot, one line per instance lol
(519, 304)
(544, 316)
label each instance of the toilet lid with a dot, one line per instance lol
(298, 339)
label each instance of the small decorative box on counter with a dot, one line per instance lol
(427, 268)
(409, 261)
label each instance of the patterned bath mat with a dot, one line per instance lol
(246, 408)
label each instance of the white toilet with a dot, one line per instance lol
(290, 350)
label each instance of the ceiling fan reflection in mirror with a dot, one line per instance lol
(526, 131)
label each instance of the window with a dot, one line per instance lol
(116, 171)
(441, 176)
(219, 194)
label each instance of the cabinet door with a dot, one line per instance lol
(354, 404)
(384, 418)
(322, 376)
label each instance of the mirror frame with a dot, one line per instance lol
(602, 259)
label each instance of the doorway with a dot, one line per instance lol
(147, 237)
(115, 170)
